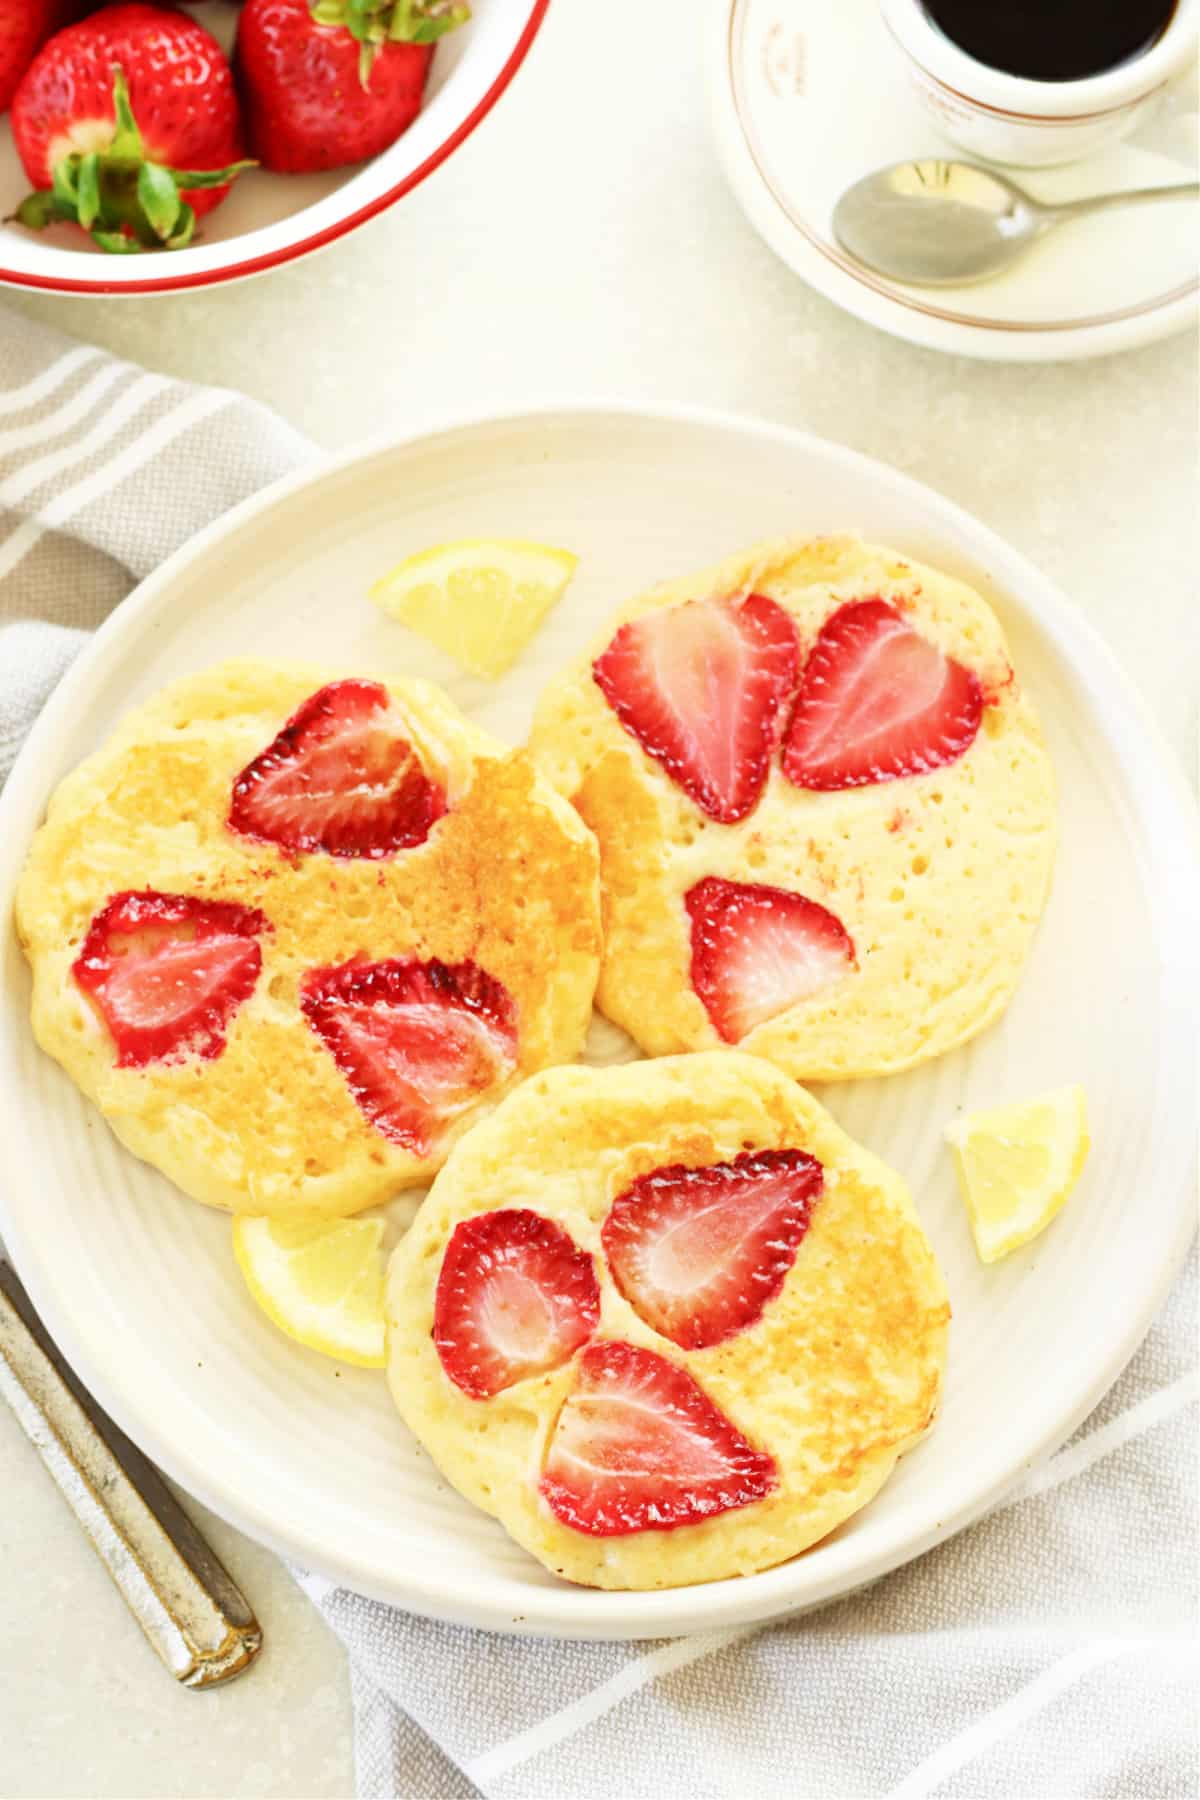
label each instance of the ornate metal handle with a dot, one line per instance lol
(197, 1620)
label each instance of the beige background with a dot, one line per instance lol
(583, 242)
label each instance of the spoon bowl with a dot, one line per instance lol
(935, 223)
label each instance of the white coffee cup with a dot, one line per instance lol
(1009, 119)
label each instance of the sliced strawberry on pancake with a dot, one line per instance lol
(639, 1446)
(418, 1042)
(702, 687)
(342, 776)
(878, 701)
(758, 950)
(698, 1253)
(515, 1296)
(167, 972)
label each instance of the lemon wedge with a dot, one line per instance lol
(318, 1279)
(480, 600)
(1017, 1165)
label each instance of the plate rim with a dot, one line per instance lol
(866, 296)
(737, 1600)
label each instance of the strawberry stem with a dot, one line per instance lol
(127, 142)
(374, 23)
(87, 191)
(158, 198)
(127, 202)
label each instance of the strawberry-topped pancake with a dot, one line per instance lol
(825, 812)
(291, 930)
(666, 1322)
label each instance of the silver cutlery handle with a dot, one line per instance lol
(1091, 203)
(196, 1619)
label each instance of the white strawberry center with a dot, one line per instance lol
(689, 1255)
(80, 138)
(776, 967)
(363, 761)
(439, 1054)
(177, 977)
(517, 1318)
(898, 678)
(697, 660)
(618, 1434)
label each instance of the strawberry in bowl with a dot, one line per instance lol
(24, 27)
(127, 124)
(363, 99)
(329, 82)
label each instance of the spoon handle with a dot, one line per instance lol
(1074, 209)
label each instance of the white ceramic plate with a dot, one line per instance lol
(806, 98)
(272, 219)
(139, 1285)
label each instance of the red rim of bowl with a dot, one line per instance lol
(256, 265)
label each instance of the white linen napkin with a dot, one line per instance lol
(1049, 1651)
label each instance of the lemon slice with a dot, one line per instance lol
(1017, 1165)
(318, 1279)
(480, 600)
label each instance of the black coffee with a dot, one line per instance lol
(1052, 40)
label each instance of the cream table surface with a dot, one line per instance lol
(582, 243)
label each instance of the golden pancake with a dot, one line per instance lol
(440, 903)
(875, 908)
(690, 1251)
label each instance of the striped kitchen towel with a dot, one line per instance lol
(1050, 1651)
(104, 470)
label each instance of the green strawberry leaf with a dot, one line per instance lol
(360, 18)
(373, 23)
(158, 198)
(424, 21)
(64, 179)
(192, 180)
(39, 210)
(127, 142)
(117, 244)
(127, 202)
(184, 229)
(87, 191)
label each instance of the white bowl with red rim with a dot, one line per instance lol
(271, 219)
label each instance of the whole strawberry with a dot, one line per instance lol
(328, 82)
(128, 124)
(24, 27)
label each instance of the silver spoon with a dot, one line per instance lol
(936, 223)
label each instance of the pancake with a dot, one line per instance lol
(551, 1291)
(396, 919)
(867, 909)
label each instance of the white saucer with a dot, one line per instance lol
(807, 97)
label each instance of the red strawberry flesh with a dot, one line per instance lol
(700, 1252)
(702, 688)
(167, 972)
(878, 701)
(24, 27)
(418, 1042)
(759, 950)
(342, 777)
(639, 1446)
(515, 1297)
(313, 99)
